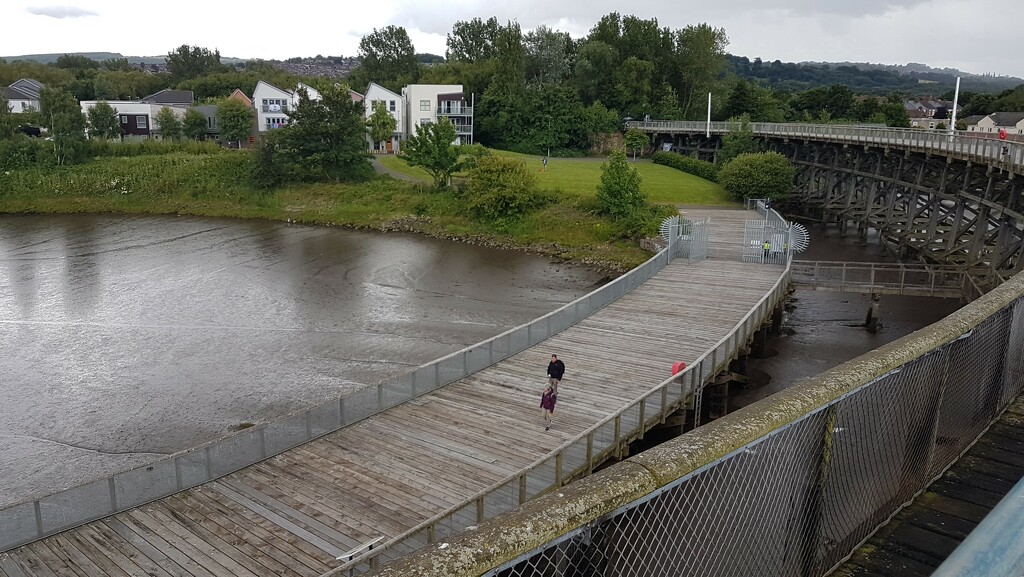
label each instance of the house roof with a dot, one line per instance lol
(29, 86)
(379, 87)
(1007, 118)
(271, 86)
(970, 120)
(168, 96)
(237, 94)
(207, 109)
(10, 93)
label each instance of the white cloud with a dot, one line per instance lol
(60, 11)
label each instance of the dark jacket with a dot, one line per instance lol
(556, 369)
(547, 400)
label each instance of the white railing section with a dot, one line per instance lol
(961, 144)
(882, 278)
(578, 457)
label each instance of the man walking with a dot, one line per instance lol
(556, 369)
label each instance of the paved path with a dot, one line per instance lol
(379, 167)
(295, 513)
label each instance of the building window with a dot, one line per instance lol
(141, 122)
(124, 119)
(424, 121)
(391, 105)
(209, 122)
(425, 105)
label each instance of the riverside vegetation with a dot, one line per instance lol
(299, 175)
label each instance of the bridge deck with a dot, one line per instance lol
(921, 536)
(294, 513)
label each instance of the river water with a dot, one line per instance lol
(824, 329)
(126, 338)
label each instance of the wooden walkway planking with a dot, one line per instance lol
(920, 537)
(294, 513)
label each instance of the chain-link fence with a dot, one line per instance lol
(788, 486)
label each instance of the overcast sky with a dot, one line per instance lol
(979, 36)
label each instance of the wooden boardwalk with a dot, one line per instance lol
(294, 513)
(921, 536)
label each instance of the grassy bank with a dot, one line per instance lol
(580, 177)
(215, 185)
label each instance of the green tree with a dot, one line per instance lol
(636, 139)
(619, 192)
(699, 59)
(234, 120)
(894, 112)
(168, 124)
(66, 123)
(8, 122)
(501, 190)
(739, 140)
(472, 41)
(381, 123)
(431, 148)
(194, 124)
(186, 62)
(388, 58)
(760, 175)
(596, 63)
(547, 55)
(326, 138)
(103, 121)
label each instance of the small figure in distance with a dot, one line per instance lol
(556, 369)
(547, 404)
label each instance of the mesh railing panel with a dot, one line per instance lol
(799, 499)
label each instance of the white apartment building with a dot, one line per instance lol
(273, 104)
(393, 103)
(426, 103)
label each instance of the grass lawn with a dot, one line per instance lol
(580, 177)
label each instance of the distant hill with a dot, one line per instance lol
(866, 78)
(101, 56)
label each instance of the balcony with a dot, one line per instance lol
(275, 108)
(445, 110)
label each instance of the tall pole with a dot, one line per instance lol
(956, 100)
(708, 131)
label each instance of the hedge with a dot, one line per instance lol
(701, 168)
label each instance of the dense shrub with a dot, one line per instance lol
(24, 152)
(102, 148)
(760, 175)
(501, 190)
(149, 176)
(701, 168)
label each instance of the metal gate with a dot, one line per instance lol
(767, 241)
(693, 243)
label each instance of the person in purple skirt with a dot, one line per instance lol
(547, 403)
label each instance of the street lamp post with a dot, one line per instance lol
(956, 100)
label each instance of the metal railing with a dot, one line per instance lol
(882, 278)
(577, 458)
(455, 111)
(790, 485)
(29, 520)
(282, 108)
(962, 144)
